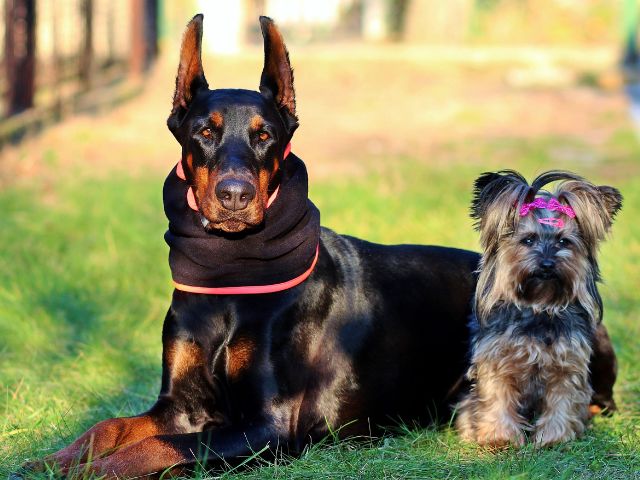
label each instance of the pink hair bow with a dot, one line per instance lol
(552, 222)
(527, 207)
(552, 205)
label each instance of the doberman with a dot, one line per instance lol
(321, 333)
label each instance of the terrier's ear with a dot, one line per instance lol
(276, 82)
(612, 199)
(496, 198)
(481, 201)
(190, 78)
(595, 207)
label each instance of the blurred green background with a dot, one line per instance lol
(402, 104)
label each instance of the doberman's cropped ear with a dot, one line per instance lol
(190, 77)
(276, 82)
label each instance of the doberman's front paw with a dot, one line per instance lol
(55, 465)
(602, 406)
(28, 469)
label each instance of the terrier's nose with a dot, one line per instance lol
(235, 194)
(547, 264)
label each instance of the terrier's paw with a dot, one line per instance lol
(553, 434)
(464, 422)
(500, 435)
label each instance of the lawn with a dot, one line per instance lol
(85, 285)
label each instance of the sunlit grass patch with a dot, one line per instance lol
(85, 285)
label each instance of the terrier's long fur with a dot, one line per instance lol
(536, 308)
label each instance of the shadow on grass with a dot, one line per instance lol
(82, 302)
(437, 453)
(85, 287)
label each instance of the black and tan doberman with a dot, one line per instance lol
(279, 331)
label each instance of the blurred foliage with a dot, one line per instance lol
(546, 21)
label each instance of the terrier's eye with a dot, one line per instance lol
(564, 242)
(206, 133)
(263, 136)
(528, 241)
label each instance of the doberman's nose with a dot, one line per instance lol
(235, 194)
(547, 264)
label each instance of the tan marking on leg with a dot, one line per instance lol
(239, 355)
(151, 455)
(104, 438)
(594, 410)
(182, 357)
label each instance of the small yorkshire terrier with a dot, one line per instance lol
(536, 307)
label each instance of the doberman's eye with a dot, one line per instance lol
(263, 136)
(206, 133)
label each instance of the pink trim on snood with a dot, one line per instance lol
(273, 196)
(250, 290)
(191, 199)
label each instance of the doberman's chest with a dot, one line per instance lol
(276, 352)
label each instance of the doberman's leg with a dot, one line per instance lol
(106, 437)
(249, 388)
(185, 405)
(604, 369)
(159, 453)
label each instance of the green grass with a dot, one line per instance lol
(85, 285)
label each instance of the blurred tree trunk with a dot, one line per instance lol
(19, 54)
(56, 60)
(631, 56)
(86, 48)
(397, 16)
(144, 35)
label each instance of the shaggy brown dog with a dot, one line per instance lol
(537, 307)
